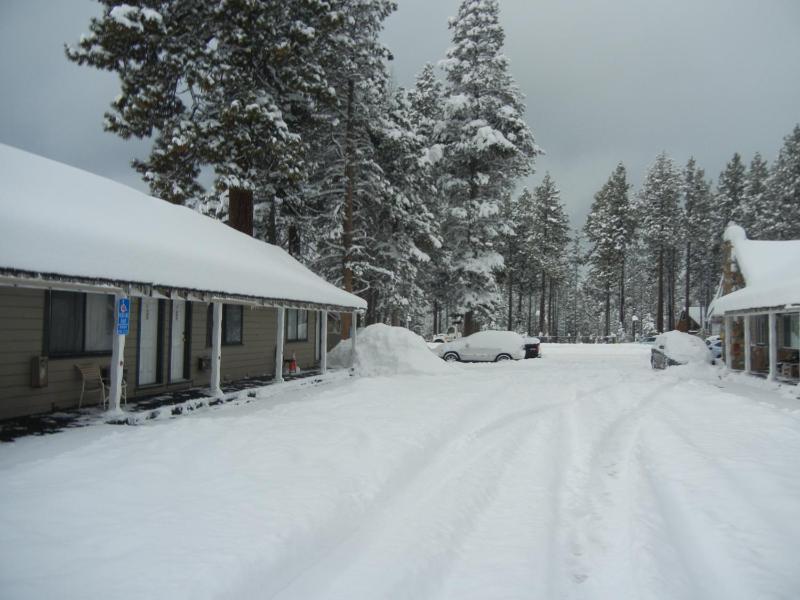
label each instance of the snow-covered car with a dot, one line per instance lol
(678, 348)
(533, 347)
(484, 346)
(649, 340)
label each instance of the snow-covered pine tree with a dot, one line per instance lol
(346, 177)
(730, 193)
(548, 237)
(214, 84)
(699, 234)
(660, 227)
(487, 147)
(610, 229)
(426, 105)
(783, 192)
(753, 206)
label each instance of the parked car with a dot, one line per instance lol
(484, 346)
(452, 334)
(532, 347)
(678, 348)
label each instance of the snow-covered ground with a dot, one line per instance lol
(581, 475)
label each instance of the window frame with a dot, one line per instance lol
(47, 329)
(294, 336)
(210, 324)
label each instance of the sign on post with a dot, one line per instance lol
(123, 316)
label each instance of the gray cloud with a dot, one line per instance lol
(605, 81)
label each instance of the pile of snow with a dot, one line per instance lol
(683, 348)
(382, 350)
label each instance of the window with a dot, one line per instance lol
(232, 324)
(760, 325)
(791, 331)
(79, 323)
(296, 325)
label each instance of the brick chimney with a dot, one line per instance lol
(240, 210)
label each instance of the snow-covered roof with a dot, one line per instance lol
(770, 271)
(61, 222)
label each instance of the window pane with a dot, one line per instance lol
(302, 325)
(66, 322)
(99, 322)
(291, 324)
(232, 324)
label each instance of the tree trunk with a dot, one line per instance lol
(530, 306)
(671, 309)
(622, 294)
(272, 229)
(510, 301)
(607, 330)
(687, 287)
(660, 306)
(435, 317)
(541, 303)
(347, 226)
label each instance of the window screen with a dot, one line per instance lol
(296, 325)
(80, 323)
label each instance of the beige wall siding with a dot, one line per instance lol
(21, 339)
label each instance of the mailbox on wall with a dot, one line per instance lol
(39, 371)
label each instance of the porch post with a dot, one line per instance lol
(279, 337)
(748, 358)
(117, 357)
(773, 346)
(728, 341)
(323, 341)
(216, 349)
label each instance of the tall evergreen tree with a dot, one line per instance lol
(699, 235)
(753, 209)
(660, 218)
(783, 192)
(609, 229)
(730, 193)
(487, 148)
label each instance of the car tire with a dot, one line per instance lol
(502, 357)
(451, 357)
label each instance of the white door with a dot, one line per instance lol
(148, 341)
(177, 340)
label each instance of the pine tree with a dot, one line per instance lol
(215, 84)
(753, 212)
(548, 236)
(487, 146)
(660, 219)
(699, 234)
(782, 218)
(730, 193)
(609, 229)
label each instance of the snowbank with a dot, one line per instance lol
(683, 348)
(382, 350)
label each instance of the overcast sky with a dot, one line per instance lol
(605, 81)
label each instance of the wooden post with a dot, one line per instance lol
(728, 341)
(323, 342)
(216, 349)
(773, 346)
(117, 359)
(280, 334)
(748, 355)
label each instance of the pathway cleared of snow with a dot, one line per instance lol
(581, 475)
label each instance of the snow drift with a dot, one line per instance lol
(383, 350)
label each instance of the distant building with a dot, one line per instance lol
(758, 305)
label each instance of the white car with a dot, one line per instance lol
(484, 346)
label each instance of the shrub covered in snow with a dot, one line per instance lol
(385, 350)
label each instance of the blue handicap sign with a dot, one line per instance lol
(123, 316)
